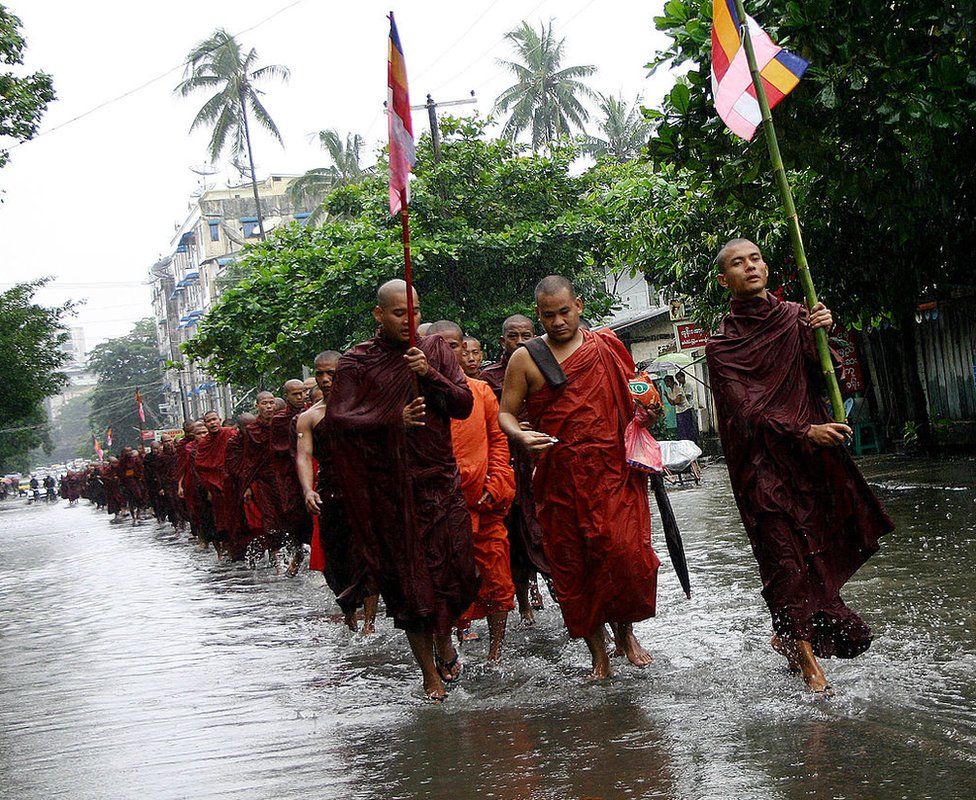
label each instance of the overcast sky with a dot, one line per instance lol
(94, 203)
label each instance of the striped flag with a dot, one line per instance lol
(98, 450)
(142, 414)
(732, 87)
(108, 437)
(402, 153)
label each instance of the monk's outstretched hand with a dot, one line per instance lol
(417, 361)
(313, 502)
(820, 317)
(536, 442)
(414, 413)
(830, 434)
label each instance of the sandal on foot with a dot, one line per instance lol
(445, 668)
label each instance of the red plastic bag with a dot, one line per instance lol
(643, 451)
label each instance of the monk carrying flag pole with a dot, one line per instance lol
(750, 75)
(403, 156)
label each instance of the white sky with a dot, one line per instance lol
(95, 203)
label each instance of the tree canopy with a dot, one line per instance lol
(30, 362)
(123, 365)
(487, 223)
(23, 98)
(879, 134)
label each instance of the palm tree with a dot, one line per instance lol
(344, 170)
(220, 64)
(546, 97)
(624, 130)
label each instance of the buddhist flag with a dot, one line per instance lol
(98, 450)
(402, 153)
(108, 437)
(142, 414)
(732, 87)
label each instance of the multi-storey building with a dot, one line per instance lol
(187, 283)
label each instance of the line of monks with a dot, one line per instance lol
(445, 488)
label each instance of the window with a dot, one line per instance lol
(214, 230)
(249, 226)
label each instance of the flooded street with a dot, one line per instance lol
(133, 666)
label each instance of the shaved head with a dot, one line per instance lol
(443, 326)
(517, 320)
(292, 384)
(720, 260)
(328, 356)
(552, 285)
(263, 395)
(424, 328)
(390, 291)
(294, 391)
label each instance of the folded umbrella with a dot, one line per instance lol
(672, 536)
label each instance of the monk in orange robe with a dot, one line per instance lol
(593, 508)
(488, 483)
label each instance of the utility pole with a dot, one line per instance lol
(435, 130)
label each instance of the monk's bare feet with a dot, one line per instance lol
(535, 596)
(369, 627)
(635, 652)
(527, 618)
(293, 567)
(434, 688)
(809, 668)
(351, 622)
(601, 659)
(790, 657)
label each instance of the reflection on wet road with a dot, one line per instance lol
(133, 667)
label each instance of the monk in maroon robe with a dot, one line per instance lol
(188, 482)
(296, 523)
(341, 569)
(811, 518)
(593, 508)
(210, 460)
(168, 471)
(401, 488)
(256, 479)
(132, 483)
(524, 534)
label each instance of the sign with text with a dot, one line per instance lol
(849, 374)
(689, 336)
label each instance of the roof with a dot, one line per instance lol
(637, 318)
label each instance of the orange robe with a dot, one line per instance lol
(481, 451)
(593, 508)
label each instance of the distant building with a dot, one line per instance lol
(187, 283)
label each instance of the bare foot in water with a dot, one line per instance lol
(808, 666)
(351, 623)
(601, 659)
(434, 689)
(635, 652)
(527, 618)
(780, 648)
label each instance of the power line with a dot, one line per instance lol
(147, 83)
(457, 41)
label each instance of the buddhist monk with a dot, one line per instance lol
(132, 484)
(488, 483)
(343, 571)
(811, 518)
(593, 508)
(388, 426)
(150, 471)
(256, 477)
(524, 533)
(167, 468)
(310, 387)
(210, 460)
(296, 524)
(472, 356)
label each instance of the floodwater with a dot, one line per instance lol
(132, 666)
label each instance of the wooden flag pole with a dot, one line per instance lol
(792, 220)
(407, 265)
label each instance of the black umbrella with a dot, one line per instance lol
(672, 535)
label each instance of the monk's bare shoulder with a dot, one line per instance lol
(521, 365)
(310, 417)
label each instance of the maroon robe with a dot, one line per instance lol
(524, 532)
(210, 461)
(592, 506)
(294, 517)
(811, 518)
(344, 571)
(113, 492)
(402, 489)
(253, 471)
(186, 475)
(167, 469)
(132, 482)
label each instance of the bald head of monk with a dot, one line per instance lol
(294, 392)
(326, 364)
(188, 426)
(559, 308)
(391, 310)
(742, 269)
(424, 328)
(451, 333)
(266, 403)
(516, 331)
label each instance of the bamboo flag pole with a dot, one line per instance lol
(793, 222)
